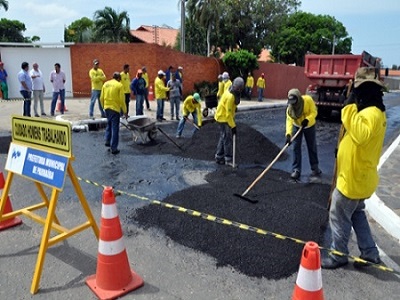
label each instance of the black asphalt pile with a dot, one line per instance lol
(251, 146)
(295, 210)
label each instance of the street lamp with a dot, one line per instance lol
(183, 25)
(334, 41)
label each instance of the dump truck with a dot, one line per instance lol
(330, 75)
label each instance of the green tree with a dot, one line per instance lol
(111, 26)
(4, 4)
(304, 32)
(239, 63)
(244, 24)
(11, 31)
(80, 31)
(205, 13)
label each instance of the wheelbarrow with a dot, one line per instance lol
(211, 104)
(142, 128)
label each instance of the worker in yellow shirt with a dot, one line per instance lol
(161, 94)
(260, 87)
(126, 81)
(112, 98)
(97, 78)
(226, 80)
(249, 85)
(220, 86)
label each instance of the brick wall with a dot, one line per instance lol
(113, 56)
(279, 78)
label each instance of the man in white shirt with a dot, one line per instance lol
(57, 78)
(38, 89)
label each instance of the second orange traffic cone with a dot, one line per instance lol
(113, 277)
(7, 209)
(309, 279)
(151, 93)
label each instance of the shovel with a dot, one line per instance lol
(191, 122)
(242, 196)
(171, 140)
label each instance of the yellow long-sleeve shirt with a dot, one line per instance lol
(190, 105)
(220, 89)
(227, 85)
(145, 76)
(250, 81)
(226, 109)
(359, 151)
(126, 81)
(309, 112)
(160, 89)
(261, 83)
(97, 78)
(112, 96)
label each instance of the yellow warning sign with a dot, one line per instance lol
(45, 133)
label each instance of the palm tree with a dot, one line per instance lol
(111, 26)
(4, 4)
(206, 13)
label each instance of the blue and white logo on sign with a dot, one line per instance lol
(39, 165)
(16, 158)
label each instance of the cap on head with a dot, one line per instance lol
(144, 68)
(180, 68)
(225, 75)
(161, 72)
(116, 75)
(139, 71)
(367, 74)
(262, 74)
(293, 96)
(238, 84)
(196, 97)
(96, 62)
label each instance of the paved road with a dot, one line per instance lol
(170, 271)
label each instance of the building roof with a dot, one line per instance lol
(264, 55)
(164, 36)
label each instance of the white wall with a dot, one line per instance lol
(13, 57)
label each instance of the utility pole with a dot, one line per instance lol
(183, 25)
(333, 44)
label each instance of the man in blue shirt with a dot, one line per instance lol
(25, 88)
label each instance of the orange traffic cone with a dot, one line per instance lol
(113, 276)
(7, 209)
(151, 93)
(309, 280)
(58, 108)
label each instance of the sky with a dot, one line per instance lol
(373, 25)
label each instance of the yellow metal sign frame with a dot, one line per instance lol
(56, 136)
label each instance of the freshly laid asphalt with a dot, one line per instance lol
(383, 206)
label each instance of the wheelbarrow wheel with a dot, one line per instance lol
(205, 112)
(152, 134)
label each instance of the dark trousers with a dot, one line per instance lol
(309, 135)
(112, 130)
(27, 103)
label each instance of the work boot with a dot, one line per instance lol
(316, 173)
(331, 263)
(375, 261)
(295, 175)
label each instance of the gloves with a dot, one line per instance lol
(234, 131)
(304, 123)
(288, 139)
